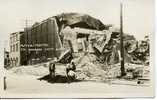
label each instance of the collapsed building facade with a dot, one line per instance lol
(71, 35)
(48, 40)
(93, 46)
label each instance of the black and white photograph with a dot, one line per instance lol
(77, 48)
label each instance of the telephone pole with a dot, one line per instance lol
(121, 40)
(26, 22)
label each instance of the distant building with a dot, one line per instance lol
(15, 50)
(6, 59)
(41, 42)
(36, 44)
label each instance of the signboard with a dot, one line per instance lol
(34, 45)
(37, 49)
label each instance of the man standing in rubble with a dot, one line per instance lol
(70, 71)
(52, 70)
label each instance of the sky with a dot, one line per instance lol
(138, 14)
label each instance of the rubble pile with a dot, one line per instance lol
(90, 71)
(88, 68)
(85, 33)
(136, 52)
(95, 49)
(133, 71)
(141, 53)
(103, 61)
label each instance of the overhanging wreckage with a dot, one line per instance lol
(80, 40)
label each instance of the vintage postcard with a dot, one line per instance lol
(77, 48)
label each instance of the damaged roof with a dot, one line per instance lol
(81, 20)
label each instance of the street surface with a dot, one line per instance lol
(27, 84)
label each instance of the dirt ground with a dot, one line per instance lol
(22, 82)
(28, 84)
